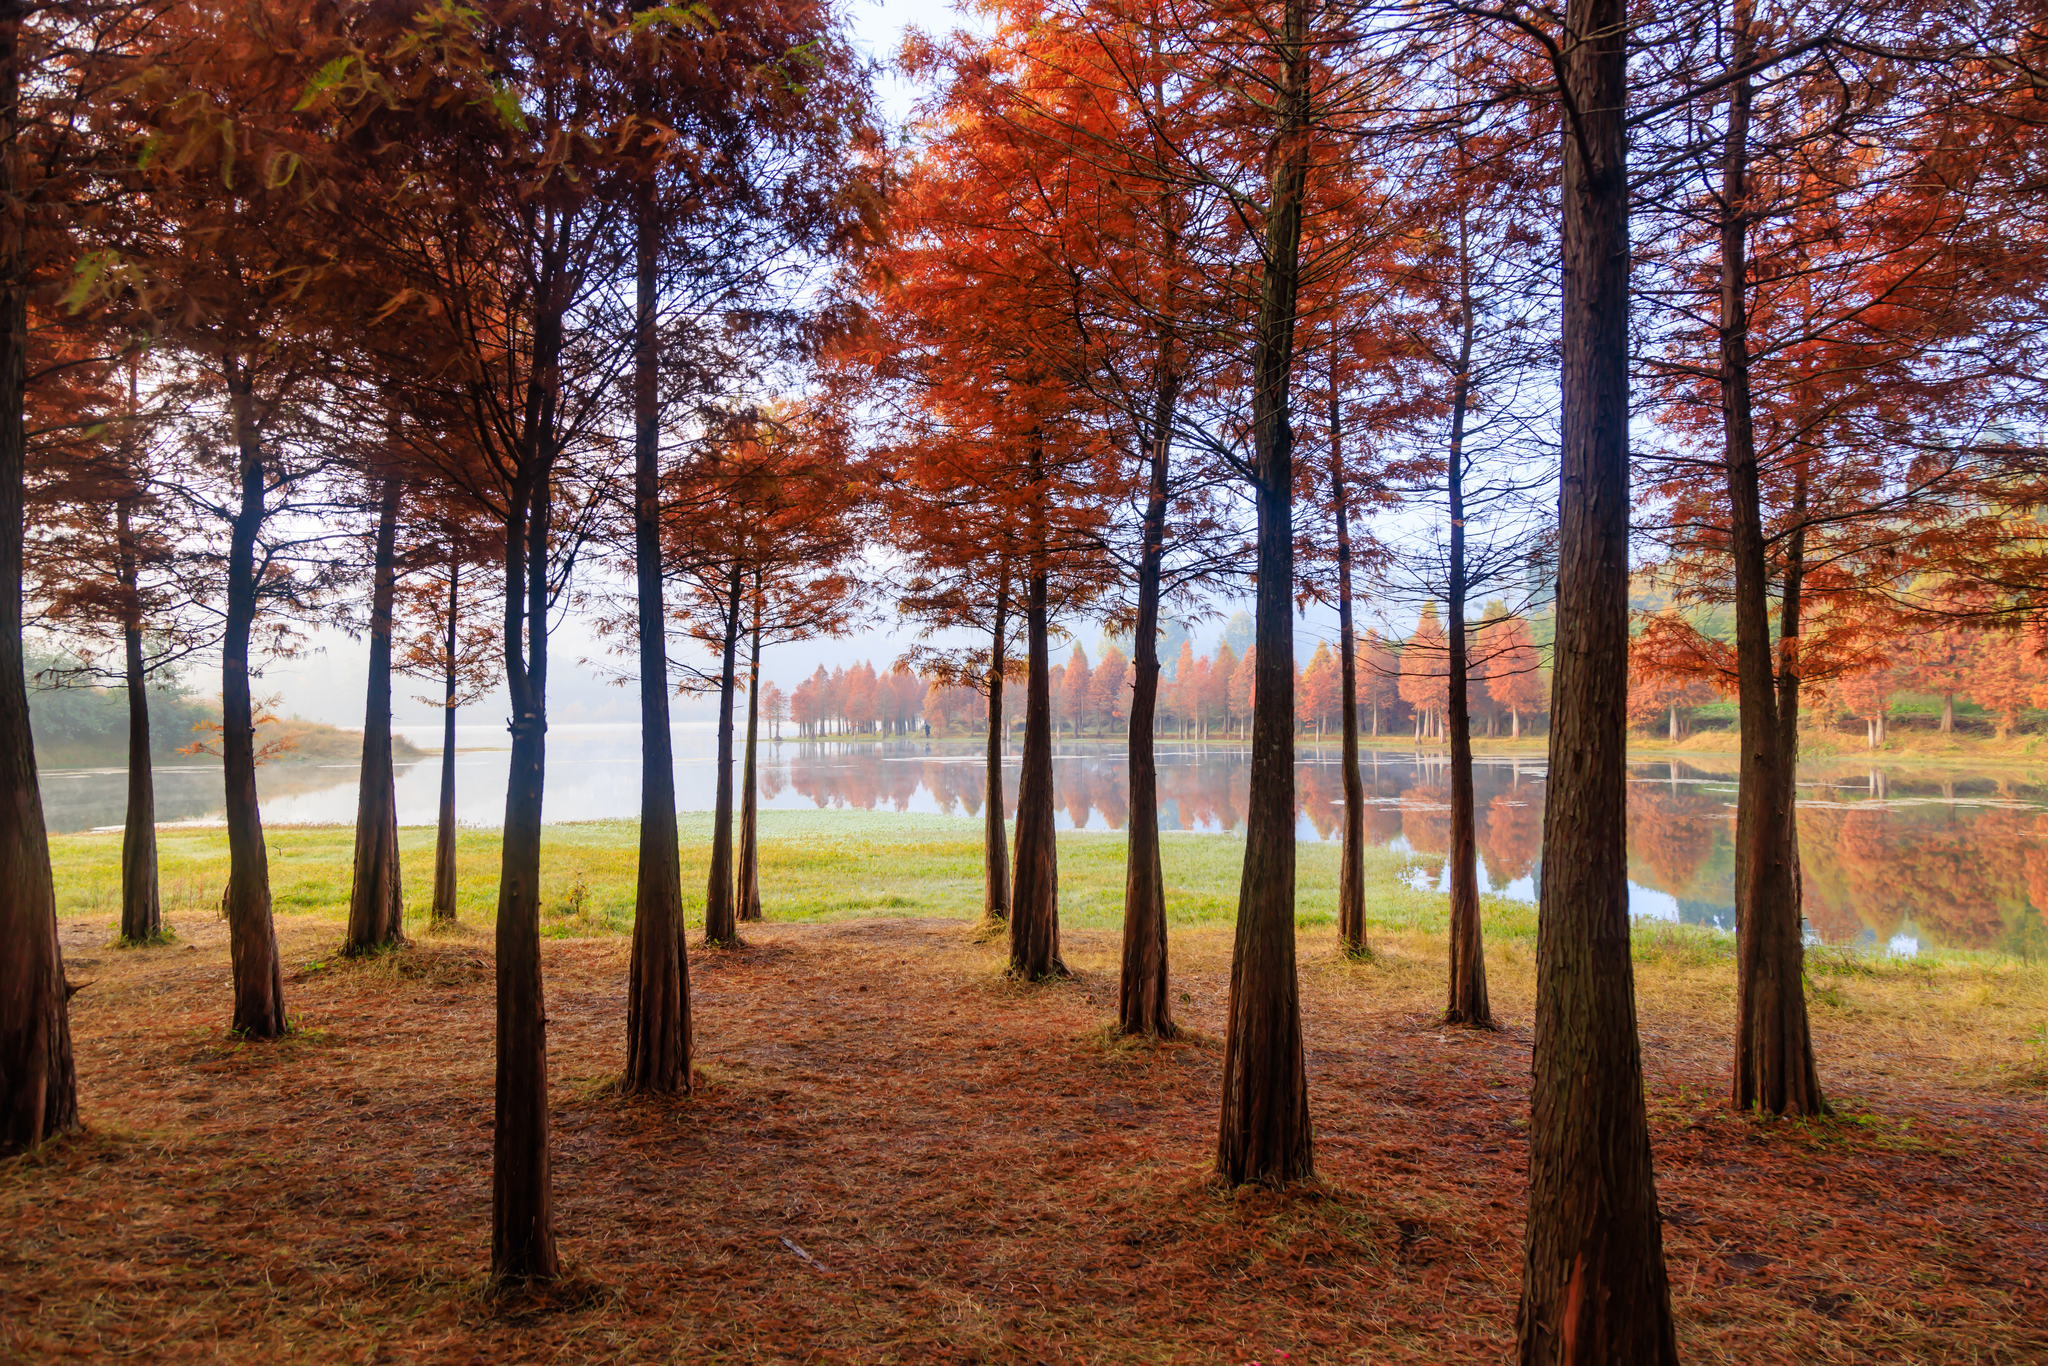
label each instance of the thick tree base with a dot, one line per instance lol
(1455, 1019)
(1815, 1107)
(147, 941)
(552, 1292)
(1057, 972)
(627, 1089)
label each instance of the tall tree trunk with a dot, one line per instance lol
(658, 1032)
(1466, 1002)
(142, 920)
(522, 1182)
(252, 936)
(995, 840)
(749, 897)
(1142, 1006)
(1035, 890)
(1351, 862)
(1264, 1133)
(719, 925)
(38, 1085)
(1948, 713)
(444, 830)
(1593, 1280)
(376, 903)
(1774, 1066)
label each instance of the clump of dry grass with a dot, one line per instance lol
(894, 1155)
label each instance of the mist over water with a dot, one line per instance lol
(1890, 860)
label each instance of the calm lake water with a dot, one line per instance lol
(1893, 859)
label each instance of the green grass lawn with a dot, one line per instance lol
(815, 865)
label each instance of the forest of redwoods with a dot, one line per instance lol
(431, 321)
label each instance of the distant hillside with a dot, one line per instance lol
(78, 727)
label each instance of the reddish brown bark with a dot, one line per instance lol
(1264, 1134)
(38, 1086)
(720, 927)
(748, 896)
(142, 918)
(1035, 891)
(1593, 1281)
(1774, 1063)
(444, 828)
(1351, 860)
(1142, 1005)
(522, 1180)
(1467, 1002)
(658, 1035)
(995, 841)
(252, 936)
(376, 904)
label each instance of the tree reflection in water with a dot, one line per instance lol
(1903, 856)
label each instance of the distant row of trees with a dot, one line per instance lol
(1398, 683)
(2002, 671)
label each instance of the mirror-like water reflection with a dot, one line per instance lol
(1891, 859)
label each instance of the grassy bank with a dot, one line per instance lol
(815, 865)
(1987, 1013)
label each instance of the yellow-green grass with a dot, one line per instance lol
(1986, 1012)
(815, 865)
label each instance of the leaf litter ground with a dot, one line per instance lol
(896, 1155)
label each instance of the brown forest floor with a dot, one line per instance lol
(895, 1155)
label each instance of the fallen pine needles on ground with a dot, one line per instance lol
(896, 1155)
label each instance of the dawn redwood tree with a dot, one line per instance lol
(1351, 858)
(502, 238)
(104, 557)
(1774, 1053)
(993, 431)
(456, 645)
(38, 1082)
(1034, 885)
(506, 332)
(1514, 679)
(763, 529)
(1593, 1282)
(803, 528)
(1941, 662)
(960, 583)
(708, 554)
(738, 172)
(1815, 420)
(763, 538)
(1095, 105)
(1264, 1134)
(1425, 684)
(376, 903)
(236, 274)
(1471, 330)
(658, 1034)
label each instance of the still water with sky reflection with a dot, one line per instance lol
(1897, 859)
